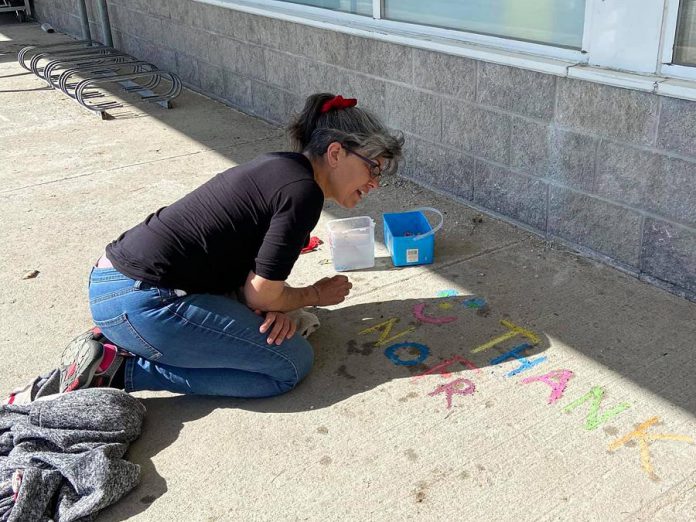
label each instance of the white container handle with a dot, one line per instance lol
(435, 229)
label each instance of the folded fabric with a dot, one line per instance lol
(307, 323)
(312, 245)
(61, 458)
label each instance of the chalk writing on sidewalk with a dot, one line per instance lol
(392, 354)
(419, 313)
(593, 420)
(386, 328)
(557, 380)
(453, 388)
(644, 439)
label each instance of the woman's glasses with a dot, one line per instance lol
(375, 168)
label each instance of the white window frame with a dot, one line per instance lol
(670, 31)
(635, 54)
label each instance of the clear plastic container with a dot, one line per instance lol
(352, 243)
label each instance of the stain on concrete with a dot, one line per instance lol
(611, 430)
(411, 395)
(341, 371)
(323, 430)
(489, 403)
(366, 349)
(480, 467)
(325, 460)
(464, 475)
(411, 454)
(417, 369)
(422, 487)
(484, 311)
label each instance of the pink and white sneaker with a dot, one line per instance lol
(89, 361)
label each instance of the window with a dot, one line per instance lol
(555, 22)
(685, 41)
(361, 7)
(649, 45)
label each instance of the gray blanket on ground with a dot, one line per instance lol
(61, 457)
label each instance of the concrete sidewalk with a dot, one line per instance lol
(533, 383)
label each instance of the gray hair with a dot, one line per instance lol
(355, 128)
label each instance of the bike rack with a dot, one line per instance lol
(79, 68)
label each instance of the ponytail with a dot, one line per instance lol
(327, 118)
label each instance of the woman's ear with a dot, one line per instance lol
(333, 153)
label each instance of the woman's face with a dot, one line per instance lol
(353, 177)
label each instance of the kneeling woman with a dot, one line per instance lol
(160, 295)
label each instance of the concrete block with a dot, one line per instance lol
(238, 57)
(383, 59)
(187, 69)
(186, 12)
(677, 130)
(439, 167)
(370, 92)
(546, 151)
(162, 8)
(477, 131)
(315, 44)
(608, 111)
(212, 79)
(656, 183)
(669, 253)
(142, 25)
(673, 192)
(237, 90)
(272, 104)
(451, 75)
(517, 90)
(285, 70)
(264, 31)
(319, 77)
(144, 50)
(227, 22)
(186, 39)
(118, 17)
(516, 195)
(414, 111)
(624, 174)
(603, 227)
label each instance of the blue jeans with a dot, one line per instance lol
(199, 344)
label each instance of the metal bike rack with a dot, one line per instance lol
(28, 51)
(79, 68)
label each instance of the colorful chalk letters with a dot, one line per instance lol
(557, 380)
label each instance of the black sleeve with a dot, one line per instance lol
(297, 210)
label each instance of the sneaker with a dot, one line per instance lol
(89, 361)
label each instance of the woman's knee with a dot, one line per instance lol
(300, 356)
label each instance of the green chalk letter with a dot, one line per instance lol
(593, 419)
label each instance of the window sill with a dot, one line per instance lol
(571, 64)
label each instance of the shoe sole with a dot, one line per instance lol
(77, 366)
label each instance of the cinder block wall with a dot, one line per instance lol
(607, 170)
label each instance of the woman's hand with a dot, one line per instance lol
(283, 327)
(332, 290)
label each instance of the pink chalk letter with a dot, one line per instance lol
(452, 388)
(419, 313)
(557, 379)
(444, 365)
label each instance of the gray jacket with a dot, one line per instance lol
(61, 457)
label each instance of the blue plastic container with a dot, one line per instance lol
(409, 237)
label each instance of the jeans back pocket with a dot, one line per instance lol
(121, 332)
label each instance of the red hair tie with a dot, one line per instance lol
(338, 103)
